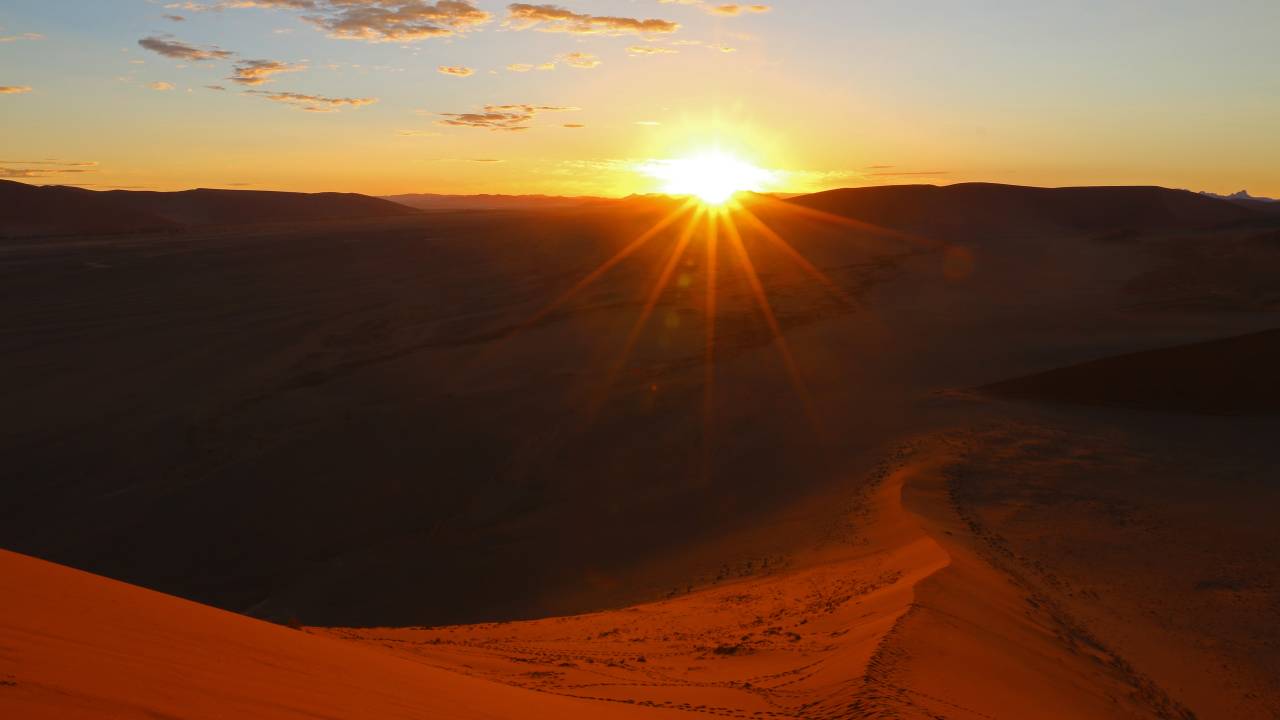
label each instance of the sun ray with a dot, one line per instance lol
(651, 302)
(772, 235)
(609, 264)
(709, 377)
(504, 335)
(686, 236)
(734, 238)
(854, 223)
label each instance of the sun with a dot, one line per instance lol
(712, 176)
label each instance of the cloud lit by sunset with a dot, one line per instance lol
(367, 95)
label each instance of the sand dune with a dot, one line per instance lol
(976, 209)
(1152, 532)
(43, 211)
(29, 211)
(901, 615)
(233, 207)
(377, 422)
(318, 409)
(81, 646)
(434, 201)
(1231, 375)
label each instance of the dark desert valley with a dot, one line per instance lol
(892, 445)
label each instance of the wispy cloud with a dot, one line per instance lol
(20, 173)
(455, 70)
(257, 72)
(52, 163)
(19, 169)
(395, 20)
(21, 36)
(725, 9)
(179, 50)
(371, 21)
(552, 18)
(368, 20)
(651, 50)
(14, 89)
(160, 85)
(924, 173)
(219, 5)
(580, 60)
(506, 118)
(733, 9)
(312, 103)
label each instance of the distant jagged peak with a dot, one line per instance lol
(1242, 195)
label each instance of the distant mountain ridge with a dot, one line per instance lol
(972, 209)
(53, 210)
(1267, 205)
(434, 201)
(955, 211)
(1242, 195)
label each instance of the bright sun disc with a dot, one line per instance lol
(712, 176)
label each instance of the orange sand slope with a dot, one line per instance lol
(75, 645)
(906, 619)
(903, 615)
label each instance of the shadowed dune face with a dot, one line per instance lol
(975, 209)
(336, 421)
(1229, 376)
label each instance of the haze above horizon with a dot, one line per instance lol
(578, 98)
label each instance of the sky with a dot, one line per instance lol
(579, 97)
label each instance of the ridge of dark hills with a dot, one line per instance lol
(35, 211)
(53, 210)
(957, 211)
(968, 209)
(1268, 207)
(225, 207)
(436, 201)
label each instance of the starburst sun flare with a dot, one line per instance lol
(712, 176)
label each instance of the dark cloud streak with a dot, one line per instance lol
(178, 50)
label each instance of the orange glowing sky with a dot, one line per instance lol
(584, 96)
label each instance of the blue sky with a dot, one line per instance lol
(847, 92)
